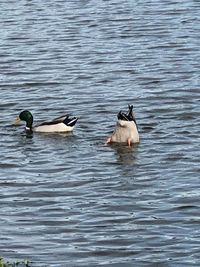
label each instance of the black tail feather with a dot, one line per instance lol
(70, 121)
(127, 116)
(122, 116)
(130, 113)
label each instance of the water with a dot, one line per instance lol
(71, 200)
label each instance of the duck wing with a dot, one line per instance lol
(64, 119)
(57, 120)
(61, 118)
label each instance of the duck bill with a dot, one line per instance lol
(17, 120)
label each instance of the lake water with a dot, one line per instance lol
(71, 200)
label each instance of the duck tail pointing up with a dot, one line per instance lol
(130, 112)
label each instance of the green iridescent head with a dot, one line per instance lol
(27, 117)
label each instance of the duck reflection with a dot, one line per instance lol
(126, 155)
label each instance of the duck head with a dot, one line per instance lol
(27, 117)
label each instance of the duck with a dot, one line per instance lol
(61, 124)
(126, 129)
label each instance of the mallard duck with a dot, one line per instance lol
(58, 125)
(126, 130)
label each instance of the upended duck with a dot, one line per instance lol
(126, 130)
(58, 125)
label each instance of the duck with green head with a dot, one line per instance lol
(58, 125)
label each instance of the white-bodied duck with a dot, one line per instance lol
(61, 124)
(126, 130)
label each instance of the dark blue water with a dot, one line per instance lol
(70, 200)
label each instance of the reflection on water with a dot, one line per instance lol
(69, 199)
(125, 155)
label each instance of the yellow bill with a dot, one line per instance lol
(17, 121)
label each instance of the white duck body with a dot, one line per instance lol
(56, 126)
(125, 132)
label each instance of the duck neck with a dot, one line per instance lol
(29, 124)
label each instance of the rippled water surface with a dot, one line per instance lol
(71, 200)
